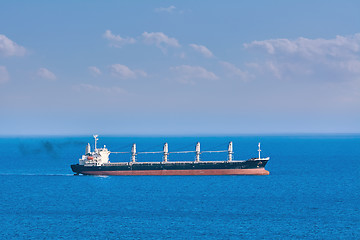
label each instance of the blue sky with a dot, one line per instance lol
(179, 67)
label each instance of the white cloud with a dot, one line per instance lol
(202, 49)
(234, 71)
(160, 40)
(46, 74)
(4, 75)
(94, 71)
(188, 74)
(165, 9)
(338, 47)
(330, 59)
(10, 48)
(124, 72)
(117, 40)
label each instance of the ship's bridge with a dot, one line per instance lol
(96, 158)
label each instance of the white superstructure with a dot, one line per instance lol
(96, 158)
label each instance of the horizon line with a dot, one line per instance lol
(187, 135)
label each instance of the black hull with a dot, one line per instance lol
(249, 167)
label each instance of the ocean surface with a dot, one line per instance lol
(312, 192)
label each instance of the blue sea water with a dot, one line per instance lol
(313, 191)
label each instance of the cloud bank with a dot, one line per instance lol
(339, 56)
(341, 46)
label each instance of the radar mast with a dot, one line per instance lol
(95, 139)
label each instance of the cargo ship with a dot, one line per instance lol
(97, 163)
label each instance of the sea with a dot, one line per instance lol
(312, 192)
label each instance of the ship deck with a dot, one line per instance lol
(173, 162)
(180, 162)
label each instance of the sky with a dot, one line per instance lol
(179, 67)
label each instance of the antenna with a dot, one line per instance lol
(259, 150)
(95, 138)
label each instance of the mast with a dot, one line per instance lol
(259, 150)
(197, 150)
(95, 139)
(166, 152)
(133, 153)
(230, 151)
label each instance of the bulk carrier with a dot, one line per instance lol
(97, 163)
